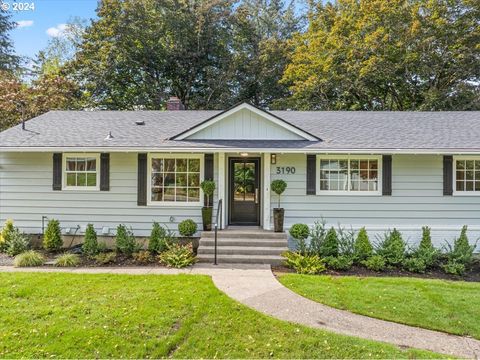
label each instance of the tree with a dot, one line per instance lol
(395, 55)
(8, 60)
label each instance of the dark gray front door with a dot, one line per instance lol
(244, 191)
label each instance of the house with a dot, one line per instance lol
(374, 169)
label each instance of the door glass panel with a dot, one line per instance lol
(244, 181)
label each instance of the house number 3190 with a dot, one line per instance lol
(286, 170)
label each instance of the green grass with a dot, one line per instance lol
(180, 316)
(449, 306)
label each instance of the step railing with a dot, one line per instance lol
(217, 219)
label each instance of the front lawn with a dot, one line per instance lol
(449, 306)
(185, 316)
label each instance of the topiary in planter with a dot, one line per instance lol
(52, 240)
(208, 188)
(278, 187)
(90, 244)
(187, 227)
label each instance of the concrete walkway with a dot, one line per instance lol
(257, 287)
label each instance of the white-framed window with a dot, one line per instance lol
(175, 179)
(466, 173)
(81, 171)
(356, 175)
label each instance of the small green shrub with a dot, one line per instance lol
(317, 237)
(415, 264)
(278, 187)
(304, 264)
(426, 242)
(29, 258)
(454, 268)
(363, 246)
(125, 241)
(17, 243)
(462, 251)
(299, 231)
(67, 260)
(392, 248)
(329, 247)
(142, 257)
(159, 239)
(177, 256)
(6, 234)
(187, 227)
(341, 262)
(375, 263)
(52, 239)
(90, 244)
(346, 241)
(105, 258)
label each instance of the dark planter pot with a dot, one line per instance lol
(207, 218)
(278, 215)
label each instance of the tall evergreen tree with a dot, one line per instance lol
(8, 60)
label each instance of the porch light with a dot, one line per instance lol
(273, 159)
(244, 154)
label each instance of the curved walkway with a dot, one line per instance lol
(257, 287)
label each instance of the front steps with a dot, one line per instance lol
(252, 246)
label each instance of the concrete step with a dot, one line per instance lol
(242, 259)
(244, 242)
(242, 250)
(244, 234)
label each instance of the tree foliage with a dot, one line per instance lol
(8, 60)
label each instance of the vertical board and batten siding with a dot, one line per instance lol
(245, 124)
(26, 194)
(417, 199)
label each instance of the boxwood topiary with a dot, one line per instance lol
(299, 231)
(187, 227)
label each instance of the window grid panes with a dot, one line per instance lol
(467, 175)
(175, 180)
(81, 172)
(349, 175)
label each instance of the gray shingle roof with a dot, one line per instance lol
(339, 130)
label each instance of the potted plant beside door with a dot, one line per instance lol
(208, 188)
(278, 187)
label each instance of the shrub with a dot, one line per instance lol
(159, 239)
(317, 237)
(346, 241)
(90, 244)
(304, 264)
(67, 260)
(363, 248)
(6, 234)
(462, 251)
(426, 251)
(17, 243)
(299, 231)
(375, 263)
(329, 247)
(178, 256)
(187, 227)
(278, 187)
(52, 239)
(142, 257)
(454, 268)
(125, 241)
(105, 258)
(415, 264)
(426, 242)
(342, 262)
(392, 248)
(29, 258)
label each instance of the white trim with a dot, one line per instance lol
(162, 155)
(221, 185)
(378, 192)
(64, 171)
(266, 191)
(253, 109)
(454, 177)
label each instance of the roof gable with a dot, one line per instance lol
(244, 122)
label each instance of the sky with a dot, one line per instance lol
(47, 19)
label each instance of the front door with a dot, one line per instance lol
(244, 191)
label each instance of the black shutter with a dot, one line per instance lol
(57, 171)
(448, 175)
(311, 174)
(142, 180)
(105, 172)
(208, 174)
(387, 175)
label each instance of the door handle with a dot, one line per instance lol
(256, 195)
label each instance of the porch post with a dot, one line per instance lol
(266, 191)
(221, 184)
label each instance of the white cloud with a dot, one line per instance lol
(57, 31)
(24, 23)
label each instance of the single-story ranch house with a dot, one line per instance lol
(374, 169)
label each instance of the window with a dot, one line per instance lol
(467, 175)
(356, 175)
(175, 179)
(81, 172)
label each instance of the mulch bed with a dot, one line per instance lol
(473, 275)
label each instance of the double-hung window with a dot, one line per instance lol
(467, 175)
(81, 171)
(175, 179)
(349, 175)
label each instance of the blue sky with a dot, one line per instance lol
(38, 26)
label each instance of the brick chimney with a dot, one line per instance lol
(174, 103)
